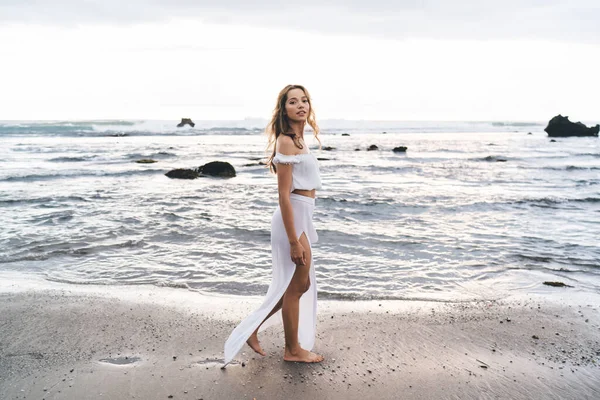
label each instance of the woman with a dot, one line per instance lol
(293, 288)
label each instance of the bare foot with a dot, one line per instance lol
(302, 356)
(255, 345)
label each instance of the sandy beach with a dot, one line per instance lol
(60, 341)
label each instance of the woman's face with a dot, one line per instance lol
(296, 105)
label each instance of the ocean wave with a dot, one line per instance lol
(585, 182)
(120, 128)
(44, 177)
(44, 150)
(588, 200)
(452, 151)
(534, 258)
(53, 218)
(160, 154)
(369, 202)
(517, 124)
(491, 159)
(502, 204)
(559, 168)
(555, 201)
(48, 251)
(172, 284)
(41, 200)
(73, 159)
(111, 122)
(241, 127)
(595, 155)
(229, 129)
(569, 262)
(45, 128)
(577, 168)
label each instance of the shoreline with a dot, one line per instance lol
(61, 341)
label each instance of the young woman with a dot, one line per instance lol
(293, 288)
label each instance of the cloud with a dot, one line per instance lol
(572, 21)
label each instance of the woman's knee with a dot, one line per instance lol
(298, 290)
(306, 286)
(299, 285)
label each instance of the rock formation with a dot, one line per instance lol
(186, 121)
(182, 173)
(217, 168)
(214, 168)
(560, 126)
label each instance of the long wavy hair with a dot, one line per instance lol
(280, 125)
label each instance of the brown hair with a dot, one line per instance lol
(280, 124)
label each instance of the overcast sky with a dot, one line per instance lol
(228, 59)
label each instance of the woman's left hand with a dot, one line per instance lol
(298, 253)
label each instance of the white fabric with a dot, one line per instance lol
(305, 170)
(283, 270)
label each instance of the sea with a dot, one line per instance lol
(471, 211)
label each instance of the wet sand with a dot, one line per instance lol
(88, 342)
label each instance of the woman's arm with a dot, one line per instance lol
(284, 184)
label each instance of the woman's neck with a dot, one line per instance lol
(297, 128)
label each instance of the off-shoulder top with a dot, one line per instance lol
(305, 170)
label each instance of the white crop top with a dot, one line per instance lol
(305, 170)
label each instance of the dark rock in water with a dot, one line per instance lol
(372, 147)
(553, 141)
(186, 121)
(494, 158)
(182, 173)
(146, 161)
(400, 149)
(217, 168)
(118, 135)
(357, 149)
(328, 148)
(560, 126)
(556, 284)
(345, 134)
(529, 133)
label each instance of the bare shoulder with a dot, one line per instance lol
(286, 145)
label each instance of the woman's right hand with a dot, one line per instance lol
(298, 253)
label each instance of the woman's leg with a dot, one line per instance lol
(253, 339)
(291, 310)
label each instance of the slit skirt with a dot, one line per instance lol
(283, 271)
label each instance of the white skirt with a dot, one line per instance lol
(283, 271)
